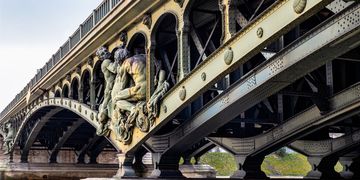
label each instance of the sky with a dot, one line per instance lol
(31, 31)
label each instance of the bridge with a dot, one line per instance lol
(141, 84)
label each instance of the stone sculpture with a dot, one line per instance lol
(8, 133)
(108, 68)
(124, 106)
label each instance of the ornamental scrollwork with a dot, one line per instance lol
(124, 106)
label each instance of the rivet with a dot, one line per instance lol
(203, 76)
(182, 93)
(260, 32)
(299, 6)
(228, 56)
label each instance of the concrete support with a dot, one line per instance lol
(327, 168)
(323, 168)
(126, 169)
(314, 173)
(355, 168)
(346, 162)
(249, 167)
(166, 166)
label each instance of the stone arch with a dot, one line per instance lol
(164, 34)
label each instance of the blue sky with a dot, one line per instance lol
(30, 32)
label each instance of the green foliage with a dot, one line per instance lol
(291, 164)
(223, 163)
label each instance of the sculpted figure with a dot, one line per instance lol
(128, 92)
(108, 67)
(154, 101)
(125, 93)
(8, 134)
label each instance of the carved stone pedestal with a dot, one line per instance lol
(126, 169)
(166, 166)
(249, 168)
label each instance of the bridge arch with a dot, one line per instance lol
(32, 123)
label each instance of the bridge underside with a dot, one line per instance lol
(238, 77)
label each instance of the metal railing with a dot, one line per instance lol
(98, 14)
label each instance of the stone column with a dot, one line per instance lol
(314, 162)
(125, 166)
(346, 162)
(166, 166)
(326, 167)
(355, 168)
(249, 168)
(322, 167)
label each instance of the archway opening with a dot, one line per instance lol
(166, 47)
(65, 91)
(57, 93)
(85, 87)
(205, 29)
(75, 89)
(137, 44)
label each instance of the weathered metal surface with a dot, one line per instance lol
(344, 105)
(216, 68)
(290, 64)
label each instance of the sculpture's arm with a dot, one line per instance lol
(112, 67)
(2, 133)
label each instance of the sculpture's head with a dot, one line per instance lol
(8, 125)
(103, 53)
(120, 54)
